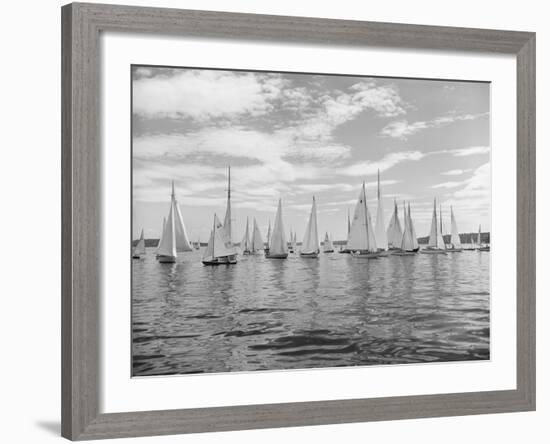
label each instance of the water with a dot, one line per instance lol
(266, 314)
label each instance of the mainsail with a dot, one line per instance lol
(380, 230)
(161, 233)
(310, 243)
(407, 243)
(436, 239)
(394, 233)
(245, 243)
(140, 247)
(167, 245)
(268, 233)
(257, 242)
(277, 244)
(455, 237)
(327, 244)
(218, 245)
(182, 240)
(361, 236)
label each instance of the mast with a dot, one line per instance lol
(227, 219)
(349, 223)
(366, 221)
(213, 235)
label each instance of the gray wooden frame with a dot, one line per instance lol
(81, 171)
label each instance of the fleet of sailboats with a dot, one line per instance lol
(364, 239)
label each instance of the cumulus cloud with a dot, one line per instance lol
(369, 168)
(402, 129)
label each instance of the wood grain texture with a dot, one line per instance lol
(81, 168)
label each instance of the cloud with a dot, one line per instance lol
(369, 168)
(469, 151)
(402, 129)
(447, 185)
(455, 172)
(203, 94)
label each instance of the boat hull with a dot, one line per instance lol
(328, 251)
(166, 259)
(365, 254)
(484, 249)
(136, 256)
(226, 260)
(309, 255)
(433, 251)
(405, 253)
(454, 250)
(276, 256)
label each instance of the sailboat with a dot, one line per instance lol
(198, 244)
(407, 242)
(278, 248)
(481, 246)
(293, 242)
(345, 249)
(245, 243)
(219, 251)
(182, 240)
(436, 244)
(455, 245)
(394, 234)
(256, 243)
(139, 249)
(310, 244)
(227, 219)
(266, 249)
(380, 227)
(361, 239)
(167, 251)
(161, 234)
(327, 244)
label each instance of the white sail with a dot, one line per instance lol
(413, 231)
(245, 243)
(455, 237)
(167, 246)
(182, 240)
(257, 242)
(310, 243)
(440, 238)
(436, 239)
(219, 245)
(161, 233)
(294, 242)
(227, 219)
(277, 243)
(140, 247)
(394, 233)
(380, 229)
(269, 233)
(361, 235)
(407, 243)
(327, 243)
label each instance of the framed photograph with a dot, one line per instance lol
(278, 221)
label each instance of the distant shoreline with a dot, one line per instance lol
(465, 238)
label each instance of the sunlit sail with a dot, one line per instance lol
(310, 244)
(277, 246)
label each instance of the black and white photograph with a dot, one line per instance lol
(286, 221)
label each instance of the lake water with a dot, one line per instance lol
(266, 314)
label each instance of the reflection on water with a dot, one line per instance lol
(263, 314)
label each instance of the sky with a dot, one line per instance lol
(292, 136)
